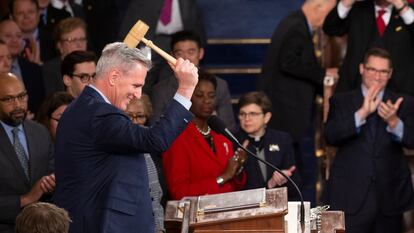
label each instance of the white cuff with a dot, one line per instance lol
(408, 16)
(183, 101)
(343, 10)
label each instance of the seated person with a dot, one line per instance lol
(201, 161)
(51, 111)
(25, 70)
(69, 35)
(5, 58)
(41, 217)
(140, 110)
(187, 45)
(273, 146)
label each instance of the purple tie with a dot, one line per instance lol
(165, 16)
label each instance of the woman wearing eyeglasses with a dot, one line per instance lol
(52, 109)
(139, 111)
(273, 146)
(201, 161)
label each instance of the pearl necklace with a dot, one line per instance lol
(206, 133)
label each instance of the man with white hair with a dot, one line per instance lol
(100, 165)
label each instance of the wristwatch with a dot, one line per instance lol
(220, 180)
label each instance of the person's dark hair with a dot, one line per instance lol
(205, 76)
(42, 217)
(12, 2)
(52, 103)
(256, 97)
(183, 36)
(76, 57)
(378, 52)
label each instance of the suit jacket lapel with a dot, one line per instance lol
(32, 148)
(382, 125)
(201, 141)
(8, 150)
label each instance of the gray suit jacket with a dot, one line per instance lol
(12, 179)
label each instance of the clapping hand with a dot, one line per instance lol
(388, 112)
(278, 180)
(235, 163)
(371, 102)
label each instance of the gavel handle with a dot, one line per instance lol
(161, 52)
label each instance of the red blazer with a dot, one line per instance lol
(191, 167)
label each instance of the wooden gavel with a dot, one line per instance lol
(137, 33)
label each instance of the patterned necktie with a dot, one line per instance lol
(380, 22)
(21, 154)
(165, 15)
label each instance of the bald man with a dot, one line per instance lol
(291, 77)
(26, 154)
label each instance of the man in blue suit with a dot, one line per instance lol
(100, 168)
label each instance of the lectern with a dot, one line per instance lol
(256, 210)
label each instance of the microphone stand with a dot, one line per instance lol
(302, 206)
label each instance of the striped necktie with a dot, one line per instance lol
(21, 154)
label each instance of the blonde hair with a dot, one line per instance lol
(42, 217)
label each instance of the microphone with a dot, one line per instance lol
(218, 125)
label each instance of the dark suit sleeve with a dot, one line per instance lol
(224, 108)
(114, 132)
(340, 126)
(407, 116)
(334, 25)
(10, 208)
(297, 60)
(289, 156)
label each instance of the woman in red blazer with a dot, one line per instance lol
(201, 161)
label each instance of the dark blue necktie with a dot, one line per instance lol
(372, 123)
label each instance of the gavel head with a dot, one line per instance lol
(136, 33)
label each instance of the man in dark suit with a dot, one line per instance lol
(359, 20)
(291, 76)
(49, 15)
(100, 165)
(26, 154)
(184, 15)
(27, 71)
(370, 180)
(38, 40)
(187, 45)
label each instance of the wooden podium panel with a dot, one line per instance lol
(236, 212)
(266, 217)
(333, 222)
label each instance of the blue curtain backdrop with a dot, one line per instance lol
(244, 18)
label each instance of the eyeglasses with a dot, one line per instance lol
(373, 71)
(249, 114)
(55, 119)
(84, 77)
(137, 116)
(74, 40)
(11, 99)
